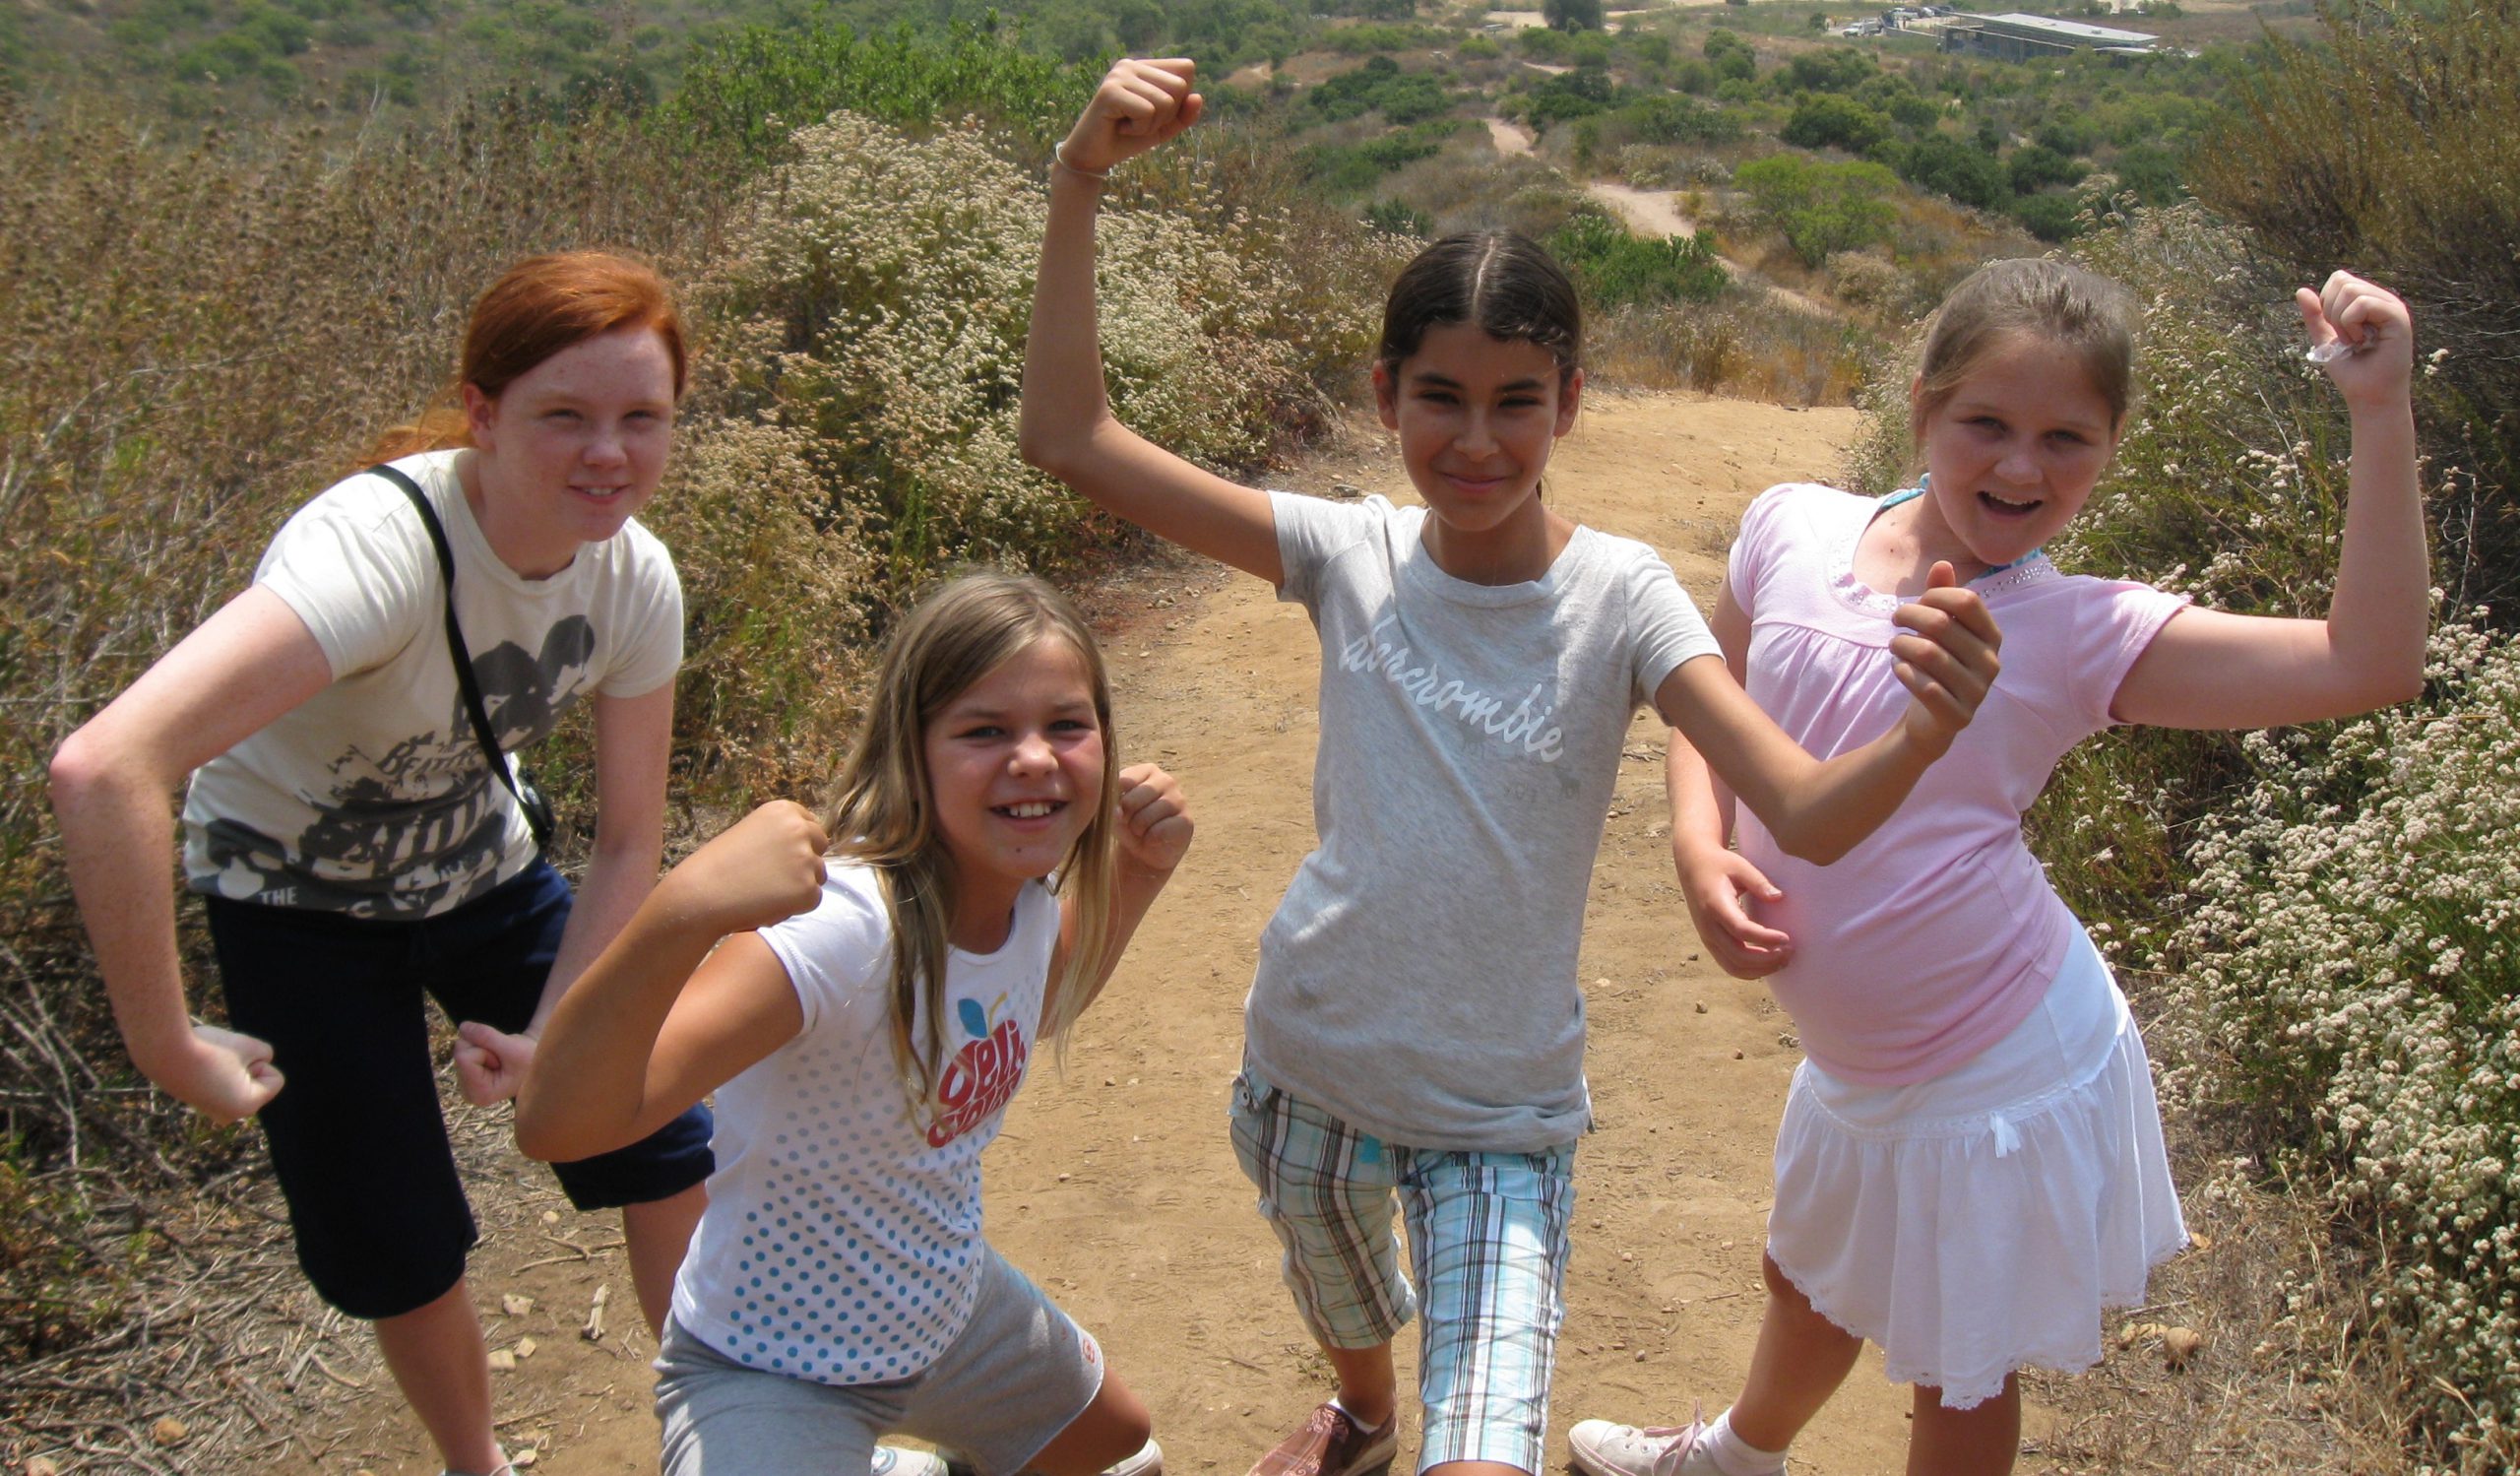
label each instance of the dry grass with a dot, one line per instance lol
(2280, 1383)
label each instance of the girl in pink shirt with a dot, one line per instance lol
(1970, 1163)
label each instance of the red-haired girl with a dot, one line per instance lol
(358, 849)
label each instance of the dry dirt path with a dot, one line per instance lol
(1654, 214)
(1114, 1185)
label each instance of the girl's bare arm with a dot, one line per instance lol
(667, 1013)
(2212, 668)
(243, 668)
(1818, 809)
(1067, 429)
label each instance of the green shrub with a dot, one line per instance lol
(1614, 267)
(1820, 208)
(2050, 218)
(1829, 121)
(1962, 171)
(1579, 94)
(2347, 953)
(1677, 118)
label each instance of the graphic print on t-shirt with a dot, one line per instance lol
(420, 820)
(1424, 681)
(982, 1076)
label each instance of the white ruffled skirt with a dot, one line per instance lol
(1980, 1222)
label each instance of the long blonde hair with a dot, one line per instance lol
(884, 818)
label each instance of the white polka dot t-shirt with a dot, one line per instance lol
(843, 1237)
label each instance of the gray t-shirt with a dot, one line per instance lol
(1419, 980)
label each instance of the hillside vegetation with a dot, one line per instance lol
(209, 303)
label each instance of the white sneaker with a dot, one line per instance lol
(1603, 1448)
(900, 1460)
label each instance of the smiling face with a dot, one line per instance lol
(1015, 768)
(570, 449)
(1478, 417)
(2014, 451)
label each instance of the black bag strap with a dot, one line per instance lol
(462, 654)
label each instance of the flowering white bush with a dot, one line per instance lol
(2348, 950)
(894, 277)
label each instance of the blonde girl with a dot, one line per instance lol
(1971, 1165)
(358, 853)
(1415, 1029)
(864, 1008)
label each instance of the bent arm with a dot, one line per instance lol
(2212, 668)
(1155, 830)
(243, 668)
(1817, 811)
(1945, 656)
(2207, 668)
(1066, 425)
(667, 1013)
(633, 739)
(1701, 802)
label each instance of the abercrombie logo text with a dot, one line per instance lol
(981, 1077)
(1427, 687)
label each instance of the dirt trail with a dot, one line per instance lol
(1114, 1185)
(1654, 214)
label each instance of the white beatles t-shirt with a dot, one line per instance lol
(373, 797)
(842, 1241)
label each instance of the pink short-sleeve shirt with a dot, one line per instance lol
(1938, 934)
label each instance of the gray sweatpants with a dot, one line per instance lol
(1021, 1372)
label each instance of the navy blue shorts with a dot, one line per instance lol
(355, 1133)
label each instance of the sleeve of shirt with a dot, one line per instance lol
(836, 953)
(2119, 619)
(650, 650)
(1309, 531)
(1667, 627)
(360, 570)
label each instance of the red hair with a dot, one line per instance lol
(535, 310)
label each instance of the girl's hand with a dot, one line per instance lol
(222, 1074)
(1948, 661)
(1141, 104)
(2374, 323)
(765, 867)
(1155, 821)
(490, 1065)
(1720, 887)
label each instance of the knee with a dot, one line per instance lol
(1122, 1428)
(1781, 1286)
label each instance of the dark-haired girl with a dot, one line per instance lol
(356, 850)
(1416, 1027)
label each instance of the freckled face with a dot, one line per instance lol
(2015, 451)
(573, 447)
(1478, 417)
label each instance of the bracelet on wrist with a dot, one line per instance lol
(1058, 156)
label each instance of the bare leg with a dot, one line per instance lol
(1368, 1383)
(1109, 1431)
(1474, 1468)
(657, 1234)
(1979, 1441)
(442, 1367)
(1800, 1359)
